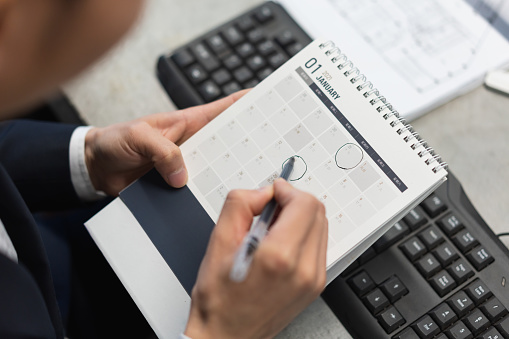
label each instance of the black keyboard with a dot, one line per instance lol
(440, 272)
(437, 273)
(234, 56)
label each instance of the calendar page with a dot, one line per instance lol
(347, 154)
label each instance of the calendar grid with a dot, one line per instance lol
(248, 151)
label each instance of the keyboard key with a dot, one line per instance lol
(285, 38)
(246, 49)
(431, 237)
(459, 331)
(491, 333)
(476, 321)
(183, 58)
(255, 35)
(433, 205)
(267, 47)
(415, 218)
(443, 315)
(426, 327)
(441, 336)
(209, 90)
(362, 283)
(450, 224)
(461, 303)
(277, 60)
(217, 44)
(428, 265)
(465, 241)
(393, 235)
(246, 23)
(264, 14)
(232, 61)
(233, 35)
(221, 76)
(446, 254)
(460, 271)
(242, 74)
(478, 291)
(294, 48)
(256, 62)
(413, 248)
(480, 257)
(264, 73)
(408, 333)
(394, 289)
(376, 301)
(442, 283)
(205, 57)
(503, 327)
(493, 309)
(231, 87)
(197, 74)
(390, 319)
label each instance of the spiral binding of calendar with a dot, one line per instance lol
(409, 135)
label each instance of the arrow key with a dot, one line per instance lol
(362, 283)
(390, 319)
(394, 289)
(376, 301)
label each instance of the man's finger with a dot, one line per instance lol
(197, 117)
(165, 155)
(239, 209)
(294, 222)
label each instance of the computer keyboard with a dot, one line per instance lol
(439, 273)
(234, 56)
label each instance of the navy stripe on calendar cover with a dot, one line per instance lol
(175, 222)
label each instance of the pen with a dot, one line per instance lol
(244, 255)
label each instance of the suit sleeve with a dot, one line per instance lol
(36, 156)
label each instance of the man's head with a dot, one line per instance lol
(45, 42)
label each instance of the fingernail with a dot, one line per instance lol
(178, 178)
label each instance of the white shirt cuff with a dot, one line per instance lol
(183, 336)
(79, 171)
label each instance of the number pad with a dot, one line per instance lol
(465, 241)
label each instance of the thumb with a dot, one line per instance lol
(164, 154)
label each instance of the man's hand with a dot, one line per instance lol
(287, 272)
(119, 154)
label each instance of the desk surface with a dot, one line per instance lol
(471, 132)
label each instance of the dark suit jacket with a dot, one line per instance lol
(34, 175)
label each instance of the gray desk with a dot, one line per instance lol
(471, 132)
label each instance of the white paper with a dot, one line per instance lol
(420, 54)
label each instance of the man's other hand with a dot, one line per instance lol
(119, 154)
